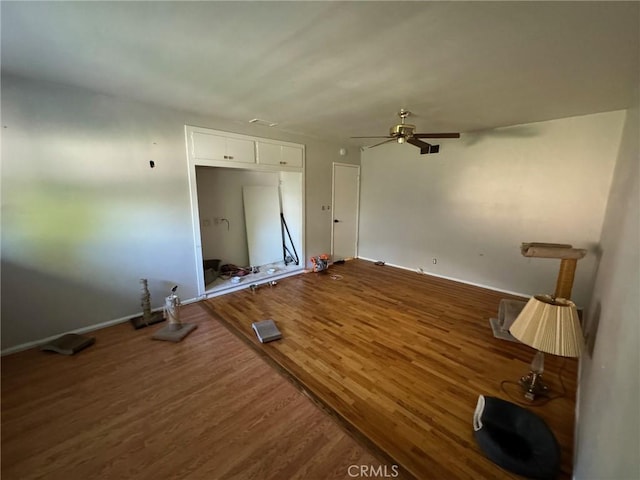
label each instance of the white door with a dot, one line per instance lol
(346, 193)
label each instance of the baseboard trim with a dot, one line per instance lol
(459, 280)
(88, 328)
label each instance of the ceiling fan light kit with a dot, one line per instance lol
(404, 133)
(402, 130)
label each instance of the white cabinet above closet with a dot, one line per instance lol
(268, 153)
(217, 148)
(210, 146)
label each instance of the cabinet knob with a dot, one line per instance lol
(230, 157)
(283, 163)
(226, 156)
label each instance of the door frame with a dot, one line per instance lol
(333, 203)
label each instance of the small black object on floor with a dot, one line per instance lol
(68, 344)
(516, 439)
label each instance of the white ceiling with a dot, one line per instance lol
(332, 70)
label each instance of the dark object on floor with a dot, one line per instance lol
(139, 322)
(229, 269)
(516, 439)
(266, 331)
(68, 344)
(338, 262)
(379, 263)
(211, 269)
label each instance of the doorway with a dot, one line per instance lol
(345, 202)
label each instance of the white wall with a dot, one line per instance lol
(318, 239)
(474, 203)
(84, 217)
(608, 427)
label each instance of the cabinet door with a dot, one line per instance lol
(207, 146)
(240, 150)
(269, 153)
(291, 156)
(280, 155)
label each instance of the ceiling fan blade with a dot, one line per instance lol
(424, 146)
(381, 136)
(392, 139)
(436, 135)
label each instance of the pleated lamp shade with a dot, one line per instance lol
(550, 325)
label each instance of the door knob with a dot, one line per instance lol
(335, 220)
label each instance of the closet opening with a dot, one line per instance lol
(250, 227)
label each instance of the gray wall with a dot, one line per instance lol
(84, 217)
(608, 427)
(474, 203)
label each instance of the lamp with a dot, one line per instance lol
(550, 325)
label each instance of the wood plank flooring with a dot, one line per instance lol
(400, 359)
(133, 408)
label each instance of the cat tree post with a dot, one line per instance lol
(566, 275)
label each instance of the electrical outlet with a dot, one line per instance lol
(435, 260)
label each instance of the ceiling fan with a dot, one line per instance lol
(404, 132)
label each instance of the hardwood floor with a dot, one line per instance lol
(396, 357)
(133, 408)
(400, 359)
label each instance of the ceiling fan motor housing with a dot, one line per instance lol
(402, 130)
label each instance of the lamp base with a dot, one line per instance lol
(533, 386)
